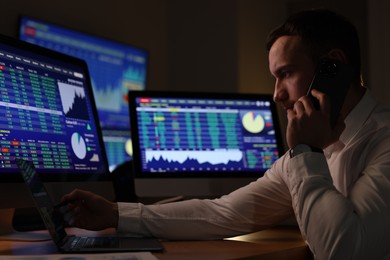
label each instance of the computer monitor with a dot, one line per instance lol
(48, 116)
(115, 68)
(199, 144)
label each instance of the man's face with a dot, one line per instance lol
(292, 68)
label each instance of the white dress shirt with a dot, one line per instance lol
(340, 199)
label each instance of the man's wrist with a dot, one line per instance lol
(303, 148)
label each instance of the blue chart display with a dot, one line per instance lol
(118, 146)
(115, 68)
(177, 134)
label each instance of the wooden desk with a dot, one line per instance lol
(276, 243)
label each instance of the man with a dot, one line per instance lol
(335, 180)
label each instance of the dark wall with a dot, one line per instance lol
(202, 45)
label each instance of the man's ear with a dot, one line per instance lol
(337, 54)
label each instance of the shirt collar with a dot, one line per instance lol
(354, 120)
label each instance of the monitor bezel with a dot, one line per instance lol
(140, 174)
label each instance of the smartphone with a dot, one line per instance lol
(334, 79)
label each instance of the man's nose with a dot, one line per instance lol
(280, 92)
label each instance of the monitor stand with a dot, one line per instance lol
(7, 232)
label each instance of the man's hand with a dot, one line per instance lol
(306, 125)
(89, 211)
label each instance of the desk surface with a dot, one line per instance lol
(276, 243)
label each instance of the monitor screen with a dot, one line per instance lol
(115, 69)
(47, 116)
(47, 113)
(202, 136)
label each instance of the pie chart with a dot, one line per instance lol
(78, 146)
(252, 122)
(129, 147)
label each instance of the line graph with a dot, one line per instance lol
(74, 102)
(194, 159)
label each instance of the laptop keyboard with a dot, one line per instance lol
(94, 242)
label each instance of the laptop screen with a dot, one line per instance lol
(203, 134)
(48, 114)
(50, 215)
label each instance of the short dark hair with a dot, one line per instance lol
(322, 30)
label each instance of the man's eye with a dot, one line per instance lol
(285, 74)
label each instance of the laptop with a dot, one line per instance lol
(65, 243)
